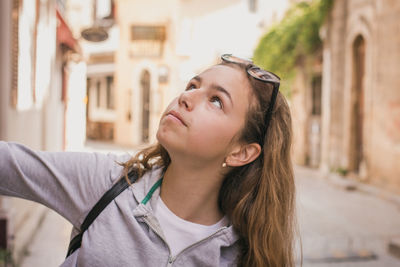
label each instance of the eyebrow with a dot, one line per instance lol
(216, 87)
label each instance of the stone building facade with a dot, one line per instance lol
(41, 86)
(360, 100)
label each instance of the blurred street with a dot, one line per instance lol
(342, 227)
(338, 227)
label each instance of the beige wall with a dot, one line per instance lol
(129, 68)
(28, 124)
(306, 125)
(300, 115)
(377, 22)
(29, 116)
(38, 124)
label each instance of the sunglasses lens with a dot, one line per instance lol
(233, 59)
(263, 75)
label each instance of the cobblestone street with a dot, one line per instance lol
(338, 227)
(344, 228)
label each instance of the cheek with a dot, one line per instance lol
(216, 135)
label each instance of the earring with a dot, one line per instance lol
(224, 165)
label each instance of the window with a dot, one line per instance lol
(110, 92)
(102, 91)
(316, 95)
(253, 6)
(24, 49)
(147, 40)
(156, 33)
(15, 52)
(98, 94)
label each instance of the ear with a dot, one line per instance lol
(243, 155)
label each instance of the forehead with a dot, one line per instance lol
(233, 80)
(230, 78)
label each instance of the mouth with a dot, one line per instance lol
(176, 116)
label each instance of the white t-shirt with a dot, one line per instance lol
(180, 233)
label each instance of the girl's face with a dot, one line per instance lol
(203, 121)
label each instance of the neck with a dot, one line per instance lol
(192, 192)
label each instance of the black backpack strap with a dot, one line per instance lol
(108, 196)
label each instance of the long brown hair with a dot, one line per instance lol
(258, 198)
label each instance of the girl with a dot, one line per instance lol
(217, 189)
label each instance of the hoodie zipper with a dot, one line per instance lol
(159, 235)
(172, 259)
(196, 243)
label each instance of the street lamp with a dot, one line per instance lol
(98, 31)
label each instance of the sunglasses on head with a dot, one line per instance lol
(260, 75)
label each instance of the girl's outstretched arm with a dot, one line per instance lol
(68, 182)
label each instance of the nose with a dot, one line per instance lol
(187, 99)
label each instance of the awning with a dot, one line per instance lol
(64, 35)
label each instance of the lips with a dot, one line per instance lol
(178, 116)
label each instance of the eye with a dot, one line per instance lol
(216, 101)
(190, 86)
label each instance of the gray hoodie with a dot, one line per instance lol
(126, 233)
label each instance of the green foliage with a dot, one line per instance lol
(297, 34)
(6, 258)
(342, 171)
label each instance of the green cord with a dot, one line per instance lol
(150, 193)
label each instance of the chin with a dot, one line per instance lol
(162, 138)
(170, 142)
(158, 136)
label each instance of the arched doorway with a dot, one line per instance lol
(357, 105)
(145, 88)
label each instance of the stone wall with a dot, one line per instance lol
(376, 22)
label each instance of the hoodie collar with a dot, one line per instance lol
(142, 187)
